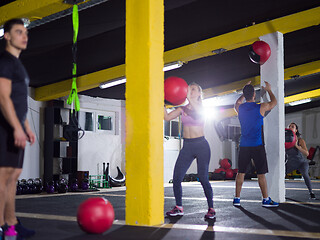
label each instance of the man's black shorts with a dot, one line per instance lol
(258, 154)
(10, 156)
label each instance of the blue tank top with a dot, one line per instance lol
(251, 122)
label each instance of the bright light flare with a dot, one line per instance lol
(210, 109)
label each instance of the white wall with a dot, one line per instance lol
(171, 148)
(216, 147)
(98, 147)
(33, 154)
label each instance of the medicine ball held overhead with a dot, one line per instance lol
(259, 52)
(175, 90)
(290, 138)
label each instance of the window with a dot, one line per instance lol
(106, 122)
(86, 120)
(173, 129)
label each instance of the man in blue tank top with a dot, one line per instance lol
(251, 142)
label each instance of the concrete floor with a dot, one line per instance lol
(53, 216)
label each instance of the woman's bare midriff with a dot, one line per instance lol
(192, 131)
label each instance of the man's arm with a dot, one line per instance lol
(8, 111)
(265, 107)
(238, 103)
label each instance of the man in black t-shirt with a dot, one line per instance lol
(14, 127)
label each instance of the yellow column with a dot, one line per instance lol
(144, 112)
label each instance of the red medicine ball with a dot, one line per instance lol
(229, 173)
(95, 215)
(219, 170)
(259, 52)
(175, 90)
(290, 138)
(225, 163)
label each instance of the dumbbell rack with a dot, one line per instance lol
(98, 181)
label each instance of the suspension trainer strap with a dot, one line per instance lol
(73, 97)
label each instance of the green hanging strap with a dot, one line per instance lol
(73, 97)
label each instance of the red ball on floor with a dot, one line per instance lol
(95, 215)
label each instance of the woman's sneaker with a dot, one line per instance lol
(269, 203)
(312, 196)
(176, 211)
(211, 214)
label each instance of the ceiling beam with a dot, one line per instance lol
(31, 9)
(300, 70)
(230, 112)
(85, 82)
(301, 96)
(228, 41)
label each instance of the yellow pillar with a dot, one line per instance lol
(144, 112)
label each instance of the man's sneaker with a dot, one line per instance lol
(269, 203)
(211, 214)
(2, 230)
(176, 211)
(22, 231)
(312, 196)
(1, 234)
(236, 202)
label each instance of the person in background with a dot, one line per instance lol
(296, 158)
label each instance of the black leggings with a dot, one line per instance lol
(193, 148)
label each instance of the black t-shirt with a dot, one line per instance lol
(12, 69)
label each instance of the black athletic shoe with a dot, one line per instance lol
(2, 230)
(312, 196)
(22, 231)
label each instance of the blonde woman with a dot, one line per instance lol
(194, 146)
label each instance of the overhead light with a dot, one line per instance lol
(300, 102)
(26, 22)
(172, 65)
(212, 102)
(113, 82)
(219, 51)
(121, 80)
